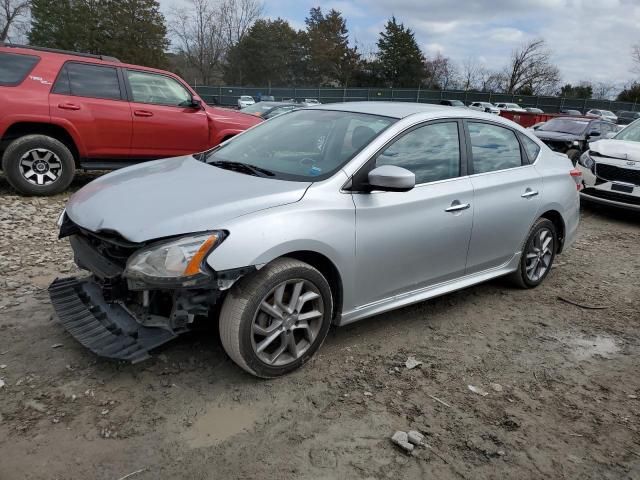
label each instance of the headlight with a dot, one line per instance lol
(179, 261)
(586, 161)
(575, 143)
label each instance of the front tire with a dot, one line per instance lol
(38, 165)
(538, 253)
(273, 321)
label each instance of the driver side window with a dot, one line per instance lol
(431, 152)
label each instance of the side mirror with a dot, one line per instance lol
(196, 103)
(390, 178)
(594, 134)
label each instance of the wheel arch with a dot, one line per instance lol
(21, 129)
(329, 270)
(556, 218)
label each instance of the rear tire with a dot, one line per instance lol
(38, 165)
(259, 330)
(538, 253)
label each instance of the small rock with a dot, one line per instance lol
(415, 437)
(35, 405)
(3, 366)
(412, 363)
(368, 394)
(105, 411)
(56, 345)
(632, 397)
(496, 387)
(402, 440)
(501, 453)
(478, 390)
(1, 383)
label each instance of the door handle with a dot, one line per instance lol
(528, 193)
(143, 113)
(456, 206)
(68, 106)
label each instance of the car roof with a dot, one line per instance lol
(389, 109)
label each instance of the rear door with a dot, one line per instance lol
(90, 100)
(506, 188)
(164, 122)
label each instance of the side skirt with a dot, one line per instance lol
(432, 291)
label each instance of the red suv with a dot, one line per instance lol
(60, 111)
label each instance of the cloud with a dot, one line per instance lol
(589, 39)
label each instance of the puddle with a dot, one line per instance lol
(586, 348)
(216, 424)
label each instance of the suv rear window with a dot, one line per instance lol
(84, 80)
(15, 67)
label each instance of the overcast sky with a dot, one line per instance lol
(590, 39)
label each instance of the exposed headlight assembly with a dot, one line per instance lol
(177, 262)
(586, 161)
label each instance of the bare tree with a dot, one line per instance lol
(471, 74)
(604, 90)
(206, 30)
(635, 56)
(531, 68)
(441, 72)
(12, 14)
(237, 16)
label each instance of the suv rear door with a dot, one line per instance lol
(165, 123)
(90, 100)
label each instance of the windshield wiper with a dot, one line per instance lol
(243, 168)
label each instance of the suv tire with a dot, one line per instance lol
(538, 253)
(245, 325)
(38, 165)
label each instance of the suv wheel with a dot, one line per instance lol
(273, 321)
(538, 254)
(38, 165)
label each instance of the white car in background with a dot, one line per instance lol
(245, 101)
(510, 107)
(487, 107)
(602, 114)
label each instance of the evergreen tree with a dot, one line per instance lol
(630, 94)
(268, 54)
(583, 90)
(132, 30)
(328, 58)
(400, 57)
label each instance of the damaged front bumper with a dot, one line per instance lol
(124, 319)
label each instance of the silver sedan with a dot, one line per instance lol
(325, 215)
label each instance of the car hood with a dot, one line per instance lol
(621, 149)
(231, 118)
(174, 196)
(559, 136)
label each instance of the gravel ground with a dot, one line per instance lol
(558, 390)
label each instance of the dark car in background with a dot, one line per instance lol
(266, 110)
(452, 103)
(625, 117)
(571, 135)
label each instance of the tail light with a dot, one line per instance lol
(577, 177)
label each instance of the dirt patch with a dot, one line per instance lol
(561, 382)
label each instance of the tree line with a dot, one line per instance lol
(230, 41)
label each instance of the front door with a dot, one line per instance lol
(164, 122)
(506, 199)
(409, 240)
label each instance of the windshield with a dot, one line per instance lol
(244, 97)
(304, 145)
(630, 133)
(513, 105)
(565, 125)
(457, 103)
(608, 113)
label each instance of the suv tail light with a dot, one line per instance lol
(577, 177)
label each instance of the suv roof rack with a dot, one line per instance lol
(65, 52)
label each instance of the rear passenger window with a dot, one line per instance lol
(15, 67)
(493, 148)
(431, 152)
(83, 80)
(531, 147)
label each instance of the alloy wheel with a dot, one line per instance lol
(287, 322)
(40, 166)
(539, 255)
